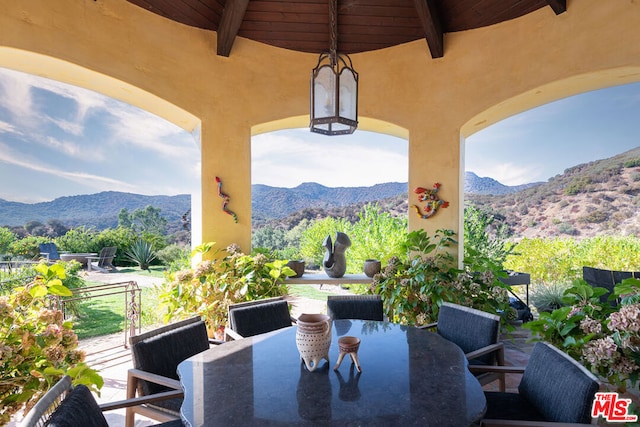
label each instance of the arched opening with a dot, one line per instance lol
(293, 162)
(60, 140)
(539, 145)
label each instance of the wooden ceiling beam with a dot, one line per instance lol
(230, 22)
(558, 6)
(430, 19)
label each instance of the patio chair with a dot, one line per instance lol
(65, 405)
(554, 389)
(104, 261)
(251, 318)
(49, 251)
(156, 355)
(363, 307)
(607, 279)
(476, 333)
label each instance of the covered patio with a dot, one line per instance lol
(431, 72)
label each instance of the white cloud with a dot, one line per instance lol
(100, 183)
(8, 128)
(284, 159)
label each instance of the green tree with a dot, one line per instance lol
(269, 237)
(33, 225)
(7, 237)
(56, 228)
(485, 237)
(148, 220)
(376, 234)
(78, 240)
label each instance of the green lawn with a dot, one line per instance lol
(105, 315)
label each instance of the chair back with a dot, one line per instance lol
(66, 406)
(469, 329)
(106, 256)
(560, 388)
(51, 251)
(259, 317)
(363, 307)
(161, 350)
(607, 279)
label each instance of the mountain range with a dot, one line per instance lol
(599, 197)
(101, 210)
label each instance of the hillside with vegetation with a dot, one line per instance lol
(591, 199)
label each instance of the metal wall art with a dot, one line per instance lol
(431, 201)
(225, 200)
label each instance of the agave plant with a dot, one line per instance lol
(141, 253)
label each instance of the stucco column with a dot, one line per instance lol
(226, 153)
(435, 157)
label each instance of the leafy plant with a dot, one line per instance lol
(208, 289)
(141, 253)
(604, 338)
(413, 287)
(548, 297)
(485, 237)
(38, 346)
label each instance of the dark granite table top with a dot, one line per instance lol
(410, 377)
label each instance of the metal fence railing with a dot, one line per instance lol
(132, 295)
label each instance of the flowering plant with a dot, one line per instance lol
(605, 338)
(208, 289)
(414, 287)
(38, 347)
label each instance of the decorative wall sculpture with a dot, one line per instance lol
(225, 200)
(431, 200)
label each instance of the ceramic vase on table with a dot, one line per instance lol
(313, 339)
(372, 267)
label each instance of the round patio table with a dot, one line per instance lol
(80, 257)
(410, 377)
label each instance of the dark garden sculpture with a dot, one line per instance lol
(335, 262)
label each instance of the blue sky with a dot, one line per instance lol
(59, 140)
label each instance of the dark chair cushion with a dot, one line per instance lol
(557, 386)
(79, 408)
(607, 279)
(260, 318)
(469, 329)
(363, 309)
(51, 249)
(161, 355)
(510, 406)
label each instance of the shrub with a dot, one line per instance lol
(174, 255)
(567, 228)
(7, 238)
(29, 247)
(603, 338)
(38, 346)
(632, 163)
(208, 289)
(414, 286)
(594, 217)
(548, 297)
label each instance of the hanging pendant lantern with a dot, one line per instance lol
(334, 88)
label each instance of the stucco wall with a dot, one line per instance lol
(172, 70)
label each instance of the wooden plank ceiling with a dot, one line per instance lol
(363, 25)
